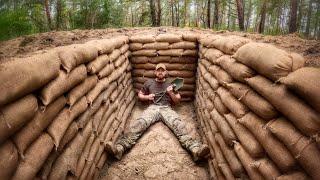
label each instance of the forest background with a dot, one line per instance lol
(273, 17)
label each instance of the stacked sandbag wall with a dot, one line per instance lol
(59, 108)
(259, 110)
(177, 50)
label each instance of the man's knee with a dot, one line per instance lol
(139, 125)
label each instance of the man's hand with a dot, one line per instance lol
(170, 89)
(151, 97)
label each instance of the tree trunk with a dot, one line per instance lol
(248, 15)
(152, 12)
(47, 9)
(262, 17)
(293, 16)
(158, 13)
(185, 13)
(240, 14)
(209, 13)
(307, 33)
(172, 14)
(216, 14)
(59, 14)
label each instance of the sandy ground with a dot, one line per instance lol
(158, 154)
(27, 45)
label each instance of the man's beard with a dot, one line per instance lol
(160, 77)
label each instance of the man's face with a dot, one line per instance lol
(160, 73)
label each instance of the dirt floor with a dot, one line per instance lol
(27, 45)
(158, 154)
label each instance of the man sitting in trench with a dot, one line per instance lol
(160, 109)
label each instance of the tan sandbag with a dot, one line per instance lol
(205, 63)
(267, 168)
(143, 73)
(230, 44)
(120, 61)
(304, 150)
(156, 45)
(135, 46)
(100, 86)
(139, 59)
(68, 135)
(68, 159)
(237, 70)
(212, 81)
(119, 41)
(183, 74)
(207, 40)
(61, 123)
(168, 37)
(188, 36)
(296, 175)
(97, 64)
(183, 60)
(80, 90)
(300, 114)
(268, 60)
(34, 128)
(97, 117)
(246, 138)
(74, 55)
(47, 165)
(274, 148)
(224, 128)
(234, 163)
(234, 105)
(247, 160)
(170, 52)
(147, 38)
(9, 159)
(124, 48)
(183, 45)
(252, 100)
(104, 46)
(305, 82)
(35, 156)
(220, 107)
(190, 52)
(208, 103)
(63, 83)
(211, 169)
(106, 71)
(114, 55)
(16, 114)
(222, 76)
(23, 76)
(212, 55)
(82, 159)
(145, 52)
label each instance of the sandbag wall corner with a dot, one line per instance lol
(58, 108)
(256, 110)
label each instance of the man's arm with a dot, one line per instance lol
(144, 97)
(176, 97)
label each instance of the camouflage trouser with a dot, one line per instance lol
(151, 115)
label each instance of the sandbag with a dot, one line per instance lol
(100, 86)
(80, 90)
(222, 76)
(61, 123)
(246, 160)
(205, 63)
(139, 59)
(207, 40)
(171, 52)
(97, 117)
(220, 107)
(183, 45)
(106, 71)
(190, 52)
(237, 70)
(74, 55)
(68, 135)
(183, 74)
(156, 45)
(140, 38)
(305, 82)
(63, 83)
(120, 61)
(304, 150)
(252, 100)
(268, 60)
(183, 60)
(168, 37)
(300, 114)
(9, 159)
(274, 148)
(35, 156)
(234, 105)
(234, 163)
(16, 114)
(34, 128)
(23, 76)
(267, 168)
(135, 46)
(193, 37)
(212, 55)
(124, 48)
(104, 46)
(297, 175)
(246, 138)
(230, 44)
(224, 128)
(211, 80)
(114, 55)
(97, 64)
(82, 159)
(145, 52)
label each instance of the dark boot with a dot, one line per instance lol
(200, 152)
(116, 150)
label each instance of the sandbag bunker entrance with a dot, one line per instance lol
(256, 105)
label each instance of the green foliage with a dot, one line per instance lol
(14, 23)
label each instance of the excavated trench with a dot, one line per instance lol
(250, 102)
